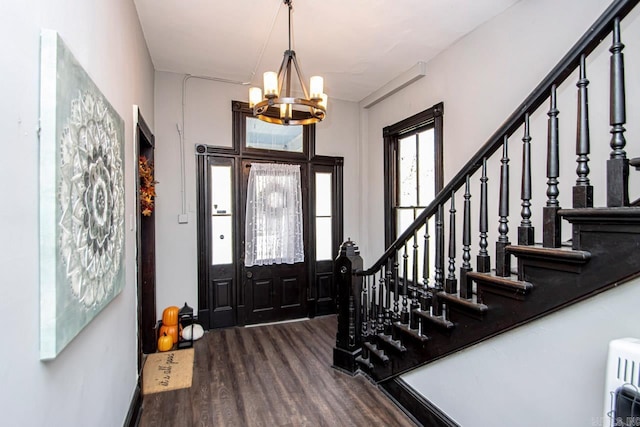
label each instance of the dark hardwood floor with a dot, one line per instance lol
(274, 375)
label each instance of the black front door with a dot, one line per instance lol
(278, 291)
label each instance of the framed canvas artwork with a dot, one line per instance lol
(81, 198)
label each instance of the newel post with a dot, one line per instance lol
(349, 287)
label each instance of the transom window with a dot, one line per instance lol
(269, 136)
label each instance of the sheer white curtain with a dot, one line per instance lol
(273, 230)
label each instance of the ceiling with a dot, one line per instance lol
(356, 45)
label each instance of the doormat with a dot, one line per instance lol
(171, 370)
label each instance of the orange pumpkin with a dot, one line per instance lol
(170, 316)
(172, 331)
(165, 343)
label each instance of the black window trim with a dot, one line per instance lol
(431, 117)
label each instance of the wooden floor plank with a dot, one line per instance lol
(272, 375)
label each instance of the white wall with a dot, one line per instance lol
(92, 381)
(208, 120)
(547, 373)
(551, 371)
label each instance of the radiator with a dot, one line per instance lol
(621, 395)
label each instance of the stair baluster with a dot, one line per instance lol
(551, 221)
(439, 273)
(388, 314)
(415, 303)
(483, 260)
(373, 321)
(425, 303)
(381, 307)
(451, 283)
(503, 259)
(364, 358)
(618, 164)
(396, 284)
(583, 190)
(404, 315)
(466, 286)
(526, 231)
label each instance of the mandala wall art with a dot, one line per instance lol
(81, 198)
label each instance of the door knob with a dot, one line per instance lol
(249, 275)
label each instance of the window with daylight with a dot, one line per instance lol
(413, 171)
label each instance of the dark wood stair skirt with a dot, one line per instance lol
(608, 243)
(416, 406)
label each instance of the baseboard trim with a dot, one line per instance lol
(135, 409)
(422, 411)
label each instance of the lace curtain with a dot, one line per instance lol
(273, 230)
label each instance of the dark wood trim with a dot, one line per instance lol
(419, 409)
(145, 257)
(415, 122)
(202, 215)
(333, 165)
(438, 128)
(144, 129)
(135, 408)
(390, 189)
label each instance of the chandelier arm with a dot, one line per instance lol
(300, 78)
(280, 70)
(288, 74)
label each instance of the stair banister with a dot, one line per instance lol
(571, 61)
(361, 342)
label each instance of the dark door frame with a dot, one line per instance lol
(320, 289)
(146, 252)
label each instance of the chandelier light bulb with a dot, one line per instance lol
(285, 111)
(270, 84)
(316, 87)
(323, 101)
(255, 96)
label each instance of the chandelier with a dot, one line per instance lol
(277, 93)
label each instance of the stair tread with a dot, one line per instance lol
(377, 352)
(413, 333)
(463, 302)
(510, 281)
(436, 320)
(624, 213)
(395, 344)
(538, 251)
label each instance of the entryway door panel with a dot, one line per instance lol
(278, 291)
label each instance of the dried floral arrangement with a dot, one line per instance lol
(147, 185)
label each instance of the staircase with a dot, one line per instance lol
(391, 319)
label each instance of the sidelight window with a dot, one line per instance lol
(324, 217)
(221, 215)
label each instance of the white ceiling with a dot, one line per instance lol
(356, 45)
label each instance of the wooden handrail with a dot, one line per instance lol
(585, 45)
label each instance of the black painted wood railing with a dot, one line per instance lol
(392, 317)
